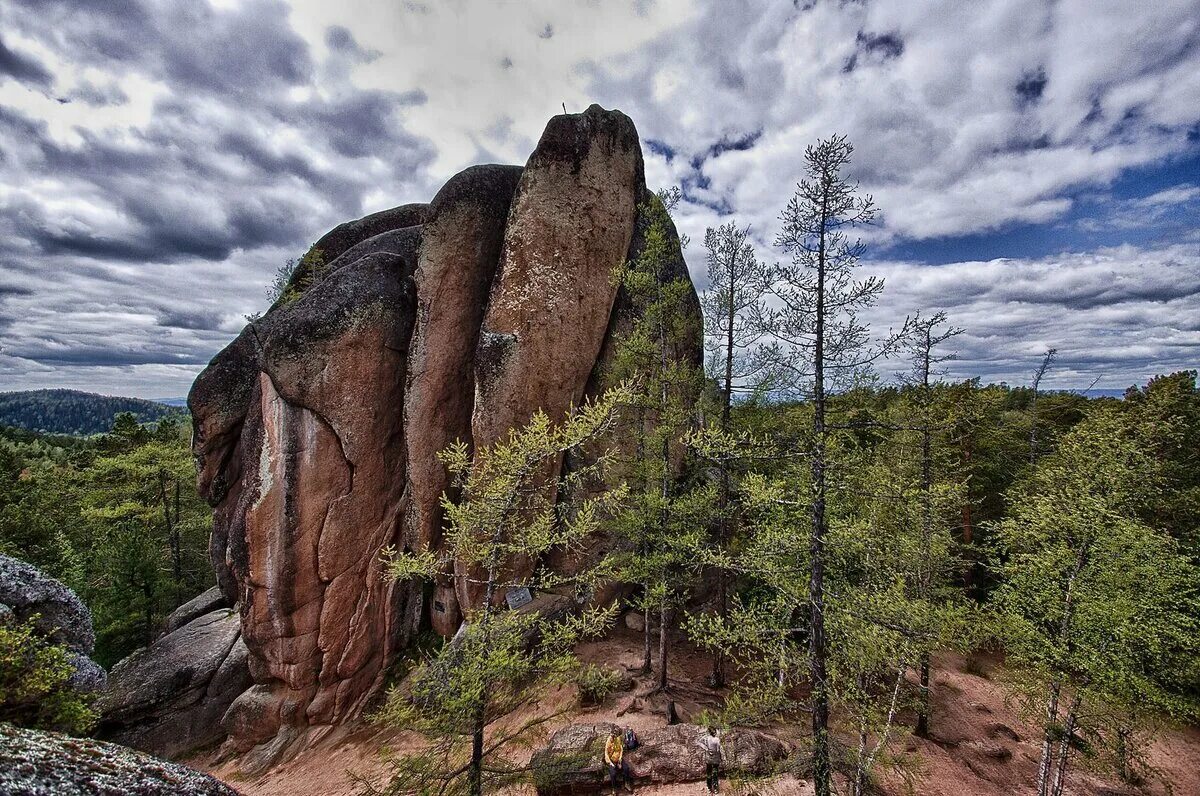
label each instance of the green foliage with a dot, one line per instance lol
(464, 698)
(662, 523)
(35, 689)
(596, 683)
(1101, 611)
(293, 279)
(117, 518)
(74, 412)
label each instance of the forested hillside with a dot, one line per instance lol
(116, 517)
(73, 411)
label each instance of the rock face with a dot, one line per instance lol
(48, 764)
(316, 431)
(169, 698)
(204, 603)
(572, 762)
(61, 616)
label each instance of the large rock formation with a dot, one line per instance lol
(36, 763)
(57, 613)
(317, 429)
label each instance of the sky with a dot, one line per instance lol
(1036, 163)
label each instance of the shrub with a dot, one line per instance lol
(595, 683)
(35, 683)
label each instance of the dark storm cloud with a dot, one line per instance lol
(138, 242)
(24, 68)
(99, 96)
(182, 319)
(874, 48)
(1031, 86)
(74, 353)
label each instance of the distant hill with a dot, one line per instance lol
(73, 411)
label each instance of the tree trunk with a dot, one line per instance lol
(923, 710)
(718, 671)
(925, 576)
(647, 665)
(171, 520)
(818, 673)
(664, 620)
(1064, 747)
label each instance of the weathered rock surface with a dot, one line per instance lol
(61, 617)
(317, 429)
(203, 603)
(169, 698)
(460, 251)
(36, 763)
(572, 761)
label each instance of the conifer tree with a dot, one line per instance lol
(659, 523)
(822, 345)
(463, 699)
(734, 313)
(1100, 609)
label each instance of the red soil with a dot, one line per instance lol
(979, 745)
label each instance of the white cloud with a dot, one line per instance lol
(204, 144)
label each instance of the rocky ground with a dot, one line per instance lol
(980, 747)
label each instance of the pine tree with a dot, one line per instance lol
(659, 522)
(822, 345)
(734, 314)
(463, 699)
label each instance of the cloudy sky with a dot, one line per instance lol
(1037, 162)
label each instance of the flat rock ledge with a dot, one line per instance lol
(36, 763)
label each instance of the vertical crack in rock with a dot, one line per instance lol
(570, 225)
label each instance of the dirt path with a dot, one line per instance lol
(979, 746)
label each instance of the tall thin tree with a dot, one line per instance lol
(821, 345)
(734, 309)
(922, 345)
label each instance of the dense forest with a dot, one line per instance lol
(73, 411)
(116, 517)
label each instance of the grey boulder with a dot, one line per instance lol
(169, 698)
(203, 603)
(34, 763)
(572, 762)
(26, 593)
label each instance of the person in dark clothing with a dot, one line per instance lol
(711, 744)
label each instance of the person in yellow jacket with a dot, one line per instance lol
(614, 759)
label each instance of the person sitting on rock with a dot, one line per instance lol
(614, 758)
(711, 744)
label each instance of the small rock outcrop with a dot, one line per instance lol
(34, 763)
(316, 431)
(203, 603)
(170, 697)
(572, 761)
(61, 617)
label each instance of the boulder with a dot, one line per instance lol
(321, 479)
(460, 250)
(48, 764)
(61, 615)
(58, 615)
(204, 603)
(573, 760)
(169, 698)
